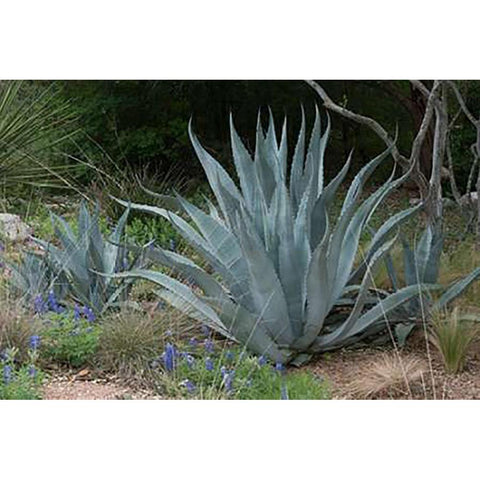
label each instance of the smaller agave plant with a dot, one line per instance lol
(421, 264)
(81, 265)
(280, 265)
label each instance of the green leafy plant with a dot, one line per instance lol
(280, 265)
(210, 371)
(19, 381)
(69, 338)
(453, 334)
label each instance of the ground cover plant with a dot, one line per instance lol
(203, 368)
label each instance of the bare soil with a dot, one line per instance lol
(86, 385)
(343, 368)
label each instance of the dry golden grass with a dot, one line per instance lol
(393, 374)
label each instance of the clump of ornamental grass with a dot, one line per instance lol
(17, 326)
(129, 341)
(391, 375)
(206, 369)
(453, 334)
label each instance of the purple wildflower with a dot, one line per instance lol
(169, 357)
(34, 342)
(189, 385)
(32, 371)
(52, 302)
(88, 312)
(193, 342)
(76, 312)
(209, 347)
(39, 305)
(208, 364)
(229, 381)
(7, 374)
(189, 360)
(262, 360)
(279, 367)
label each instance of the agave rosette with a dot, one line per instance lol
(280, 264)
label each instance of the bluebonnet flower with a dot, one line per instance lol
(208, 364)
(52, 302)
(189, 385)
(229, 355)
(32, 371)
(39, 305)
(279, 367)
(209, 347)
(76, 312)
(262, 360)
(193, 342)
(34, 342)
(189, 360)
(88, 312)
(229, 381)
(169, 357)
(7, 374)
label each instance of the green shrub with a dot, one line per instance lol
(70, 338)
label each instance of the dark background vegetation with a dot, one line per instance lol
(141, 126)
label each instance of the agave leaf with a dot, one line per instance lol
(456, 289)
(379, 237)
(297, 167)
(265, 285)
(344, 330)
(244, 167)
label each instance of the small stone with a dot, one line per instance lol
(13, 229)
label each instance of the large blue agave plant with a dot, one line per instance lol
(280, 265)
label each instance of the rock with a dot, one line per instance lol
(13, 229)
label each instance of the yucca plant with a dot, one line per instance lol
(453, 334)
(84, 261)
(280, 265)
(30, 123)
